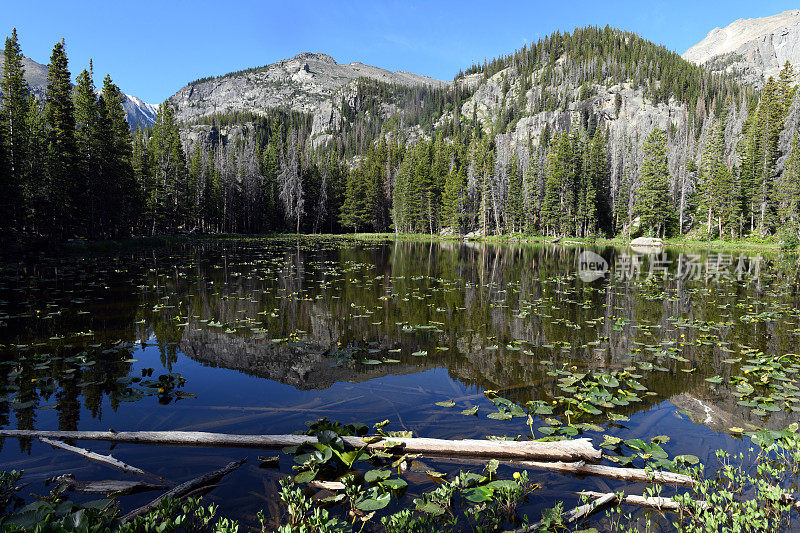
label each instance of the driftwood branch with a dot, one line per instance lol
(565, 450)
(108, 486)
(652, 502)
(186, 488)
(326, 485)
(576, 514)
(99, 458)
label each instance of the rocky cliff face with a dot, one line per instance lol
(137, 111)
(308, 83)
(637, 114)
(753, 49)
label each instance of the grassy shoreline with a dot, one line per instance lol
(80, 245)
(771, 244)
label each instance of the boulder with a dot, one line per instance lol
(647, 242)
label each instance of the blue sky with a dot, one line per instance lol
(152, 49)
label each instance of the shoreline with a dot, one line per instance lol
(82, 245)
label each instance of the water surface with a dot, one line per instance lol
(260, 336)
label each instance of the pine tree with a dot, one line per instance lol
(123, 207)
(789, 187)
(514, 203)
(452, 211)
(652, 196)
(143, 176)
(768, 123)
(749, 168)
(401, 195)
(556, 174)
(89, 184)
(356, 210)
(594, 180)
(59, 115)
(14, 131)
(270, 169)
(165, 186)
(714, 179)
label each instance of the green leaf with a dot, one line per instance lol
(305, 476)
(394, 484)
(607, 381)
(478, 494)
(376, 475)
(636, 444)
(430, 508)
(379, 501)
(349, 457)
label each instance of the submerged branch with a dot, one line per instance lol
(187, 488)
(99, 458)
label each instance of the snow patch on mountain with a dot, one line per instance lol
(139, 112)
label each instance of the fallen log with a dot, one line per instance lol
(186, 488)
(652, 502)
(580, 468)
(576, 514)
(107, 486)
(565, 450)
(636, 475)
(99, 458)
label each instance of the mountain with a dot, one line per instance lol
(35, 75)
(517, 118)
(753, 49)
(307, 83)
(137, 110)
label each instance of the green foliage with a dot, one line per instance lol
(717, 186)
(621, 57)
(789, 189)
(752, 494)
(54, 513)
(14, 135)
(180, 515)
(409, 158)
(60, 211)
(652, 196)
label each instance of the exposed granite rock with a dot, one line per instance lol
(309, 83)
(754, 49)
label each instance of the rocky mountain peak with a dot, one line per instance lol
(752, 48)
(314, 56)
(307, 82)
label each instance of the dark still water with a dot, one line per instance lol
(260, 336)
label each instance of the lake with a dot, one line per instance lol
(262, 335)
